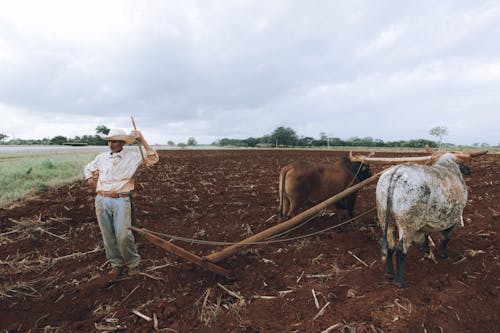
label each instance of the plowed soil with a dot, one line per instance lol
(52, 262)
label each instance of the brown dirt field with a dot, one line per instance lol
(225, 195)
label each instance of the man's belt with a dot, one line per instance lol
(112, 194)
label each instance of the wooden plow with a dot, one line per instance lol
(209, 261)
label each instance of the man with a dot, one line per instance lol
(112, 174)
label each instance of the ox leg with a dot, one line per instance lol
(283, 210)
(389, 268)
(351, 201)
(294, 207)
(387, 253)
(446, 235)
(427, 247)
(400, 262)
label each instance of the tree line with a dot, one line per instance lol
(281, 137)
(287, 137)
(92, 140)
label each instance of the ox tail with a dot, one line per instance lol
(390, 192)
(282, 192)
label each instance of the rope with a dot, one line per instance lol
(355, 175)
(204, 242)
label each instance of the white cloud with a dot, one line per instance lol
(213, 69)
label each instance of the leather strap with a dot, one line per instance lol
(113, 194)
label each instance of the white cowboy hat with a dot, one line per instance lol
(118, 135)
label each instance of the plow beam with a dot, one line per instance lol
(183, 253)
(230, 250)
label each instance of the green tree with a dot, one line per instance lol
(170, 143)
(284, 136)
(306, 141)
(192, 142)
(251, 142)
(439, 131)
(58, 140)
(101, 129)
(3, 137)
(323, 139)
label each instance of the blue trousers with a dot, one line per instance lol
(114, 216)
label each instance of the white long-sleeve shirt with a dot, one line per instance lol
(116, 170)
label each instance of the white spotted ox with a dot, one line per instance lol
(414, 200)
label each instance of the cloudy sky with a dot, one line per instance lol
(207, 69)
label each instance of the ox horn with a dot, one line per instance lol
(469, 155)
(478, 153)
(359, 158)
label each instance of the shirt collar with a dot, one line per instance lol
(115, 155)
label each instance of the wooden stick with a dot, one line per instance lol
(230, 250)
(183, 253)
(357, 258)
(331, 328)
(318, 276)
(264, 297)
(77, 254)
(49, 233)
(138, 143)
(315, 299)
(322, 311)
(8, 232)
(230, 292)
(126, 297)
(155, 322)
(143, 316)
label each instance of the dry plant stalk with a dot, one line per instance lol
(232, 293)
(331, 328)
(141, 315)
(208, 310)
(315, 299)
(322, 311)
(357, 258)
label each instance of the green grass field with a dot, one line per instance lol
(21, 174)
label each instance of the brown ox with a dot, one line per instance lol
(301, 182)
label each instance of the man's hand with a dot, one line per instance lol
(92, 183)
(138, 136)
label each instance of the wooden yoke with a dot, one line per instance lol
(228, 251)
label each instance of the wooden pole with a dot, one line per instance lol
(138, 143)
(228, 251)
(183, 253)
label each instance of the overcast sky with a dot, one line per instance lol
(390, 70)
